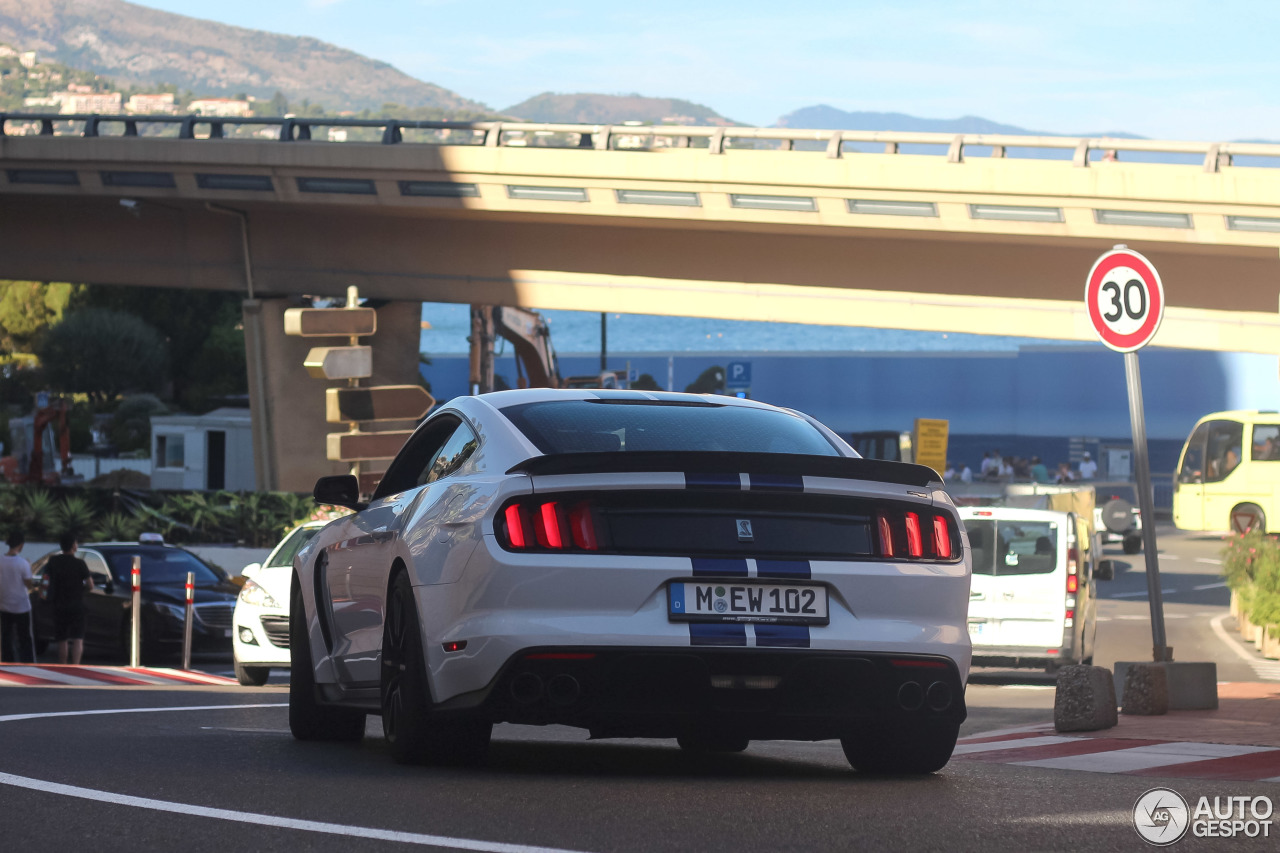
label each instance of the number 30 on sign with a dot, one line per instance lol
(1125, 299)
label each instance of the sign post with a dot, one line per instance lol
(1125, 300)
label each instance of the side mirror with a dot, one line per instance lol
(102, 581)
(340, 490)
(1105, 570)
(250, 570)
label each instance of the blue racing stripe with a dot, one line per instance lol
(776, 483)
(720, 634)
(712, 481)
(783, 569)
(711, 567)
(788, 636)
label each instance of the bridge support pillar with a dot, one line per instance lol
(287, 405)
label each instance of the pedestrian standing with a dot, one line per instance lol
(16, 644)
(69, 578)
(1088, 468)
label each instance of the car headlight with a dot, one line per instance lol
(177, 612)
(255, 594)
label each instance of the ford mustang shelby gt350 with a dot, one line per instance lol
(637, 564)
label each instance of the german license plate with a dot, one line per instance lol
(720, 601)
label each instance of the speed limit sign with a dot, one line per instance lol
(1125, 299)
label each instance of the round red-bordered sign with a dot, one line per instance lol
(1125, 299)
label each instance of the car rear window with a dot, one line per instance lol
(1004, 548)
(603, 426)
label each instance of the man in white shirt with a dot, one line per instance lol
(16, 645)
(966, 473)
(1088, 468)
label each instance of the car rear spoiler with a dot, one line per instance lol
(700, 462)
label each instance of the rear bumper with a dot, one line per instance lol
(1019, 657)
(758, 694)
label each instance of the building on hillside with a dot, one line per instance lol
(213, 451)
(80, 88)
(27, 59)
(41, 102)
(101, 103)
(222, 107)
(159, 103)
(5, 50)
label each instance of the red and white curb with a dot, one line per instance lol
(17, 675)
(1040, 747)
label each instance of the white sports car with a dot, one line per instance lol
(639, 565)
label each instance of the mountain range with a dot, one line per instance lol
(140, 46)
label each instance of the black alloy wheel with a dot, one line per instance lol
(308, 719)
(414, 733)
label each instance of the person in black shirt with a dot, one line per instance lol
(68, 578)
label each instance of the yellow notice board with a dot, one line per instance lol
(931, 443)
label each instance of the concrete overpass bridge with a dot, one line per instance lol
(893, 230)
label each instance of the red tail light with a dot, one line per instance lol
(547, 526)
(1073, 583)
(515, 527)
(583, 527)
(915, 545)
(886, 536)
(941, 538)
(915, 535)
(530, 524)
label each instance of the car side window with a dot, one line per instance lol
(455, 452)
(1266, 443)
(411, 466)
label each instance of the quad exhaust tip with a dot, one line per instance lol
(910, 696)
(939, 696)
(563, 690)
(526, 688)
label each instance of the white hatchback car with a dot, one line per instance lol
(638, 564)
(260, 636)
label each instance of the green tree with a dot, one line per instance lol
(646, 382)
(27, 310)
(709, 381)
(203, 332)
(103, 353)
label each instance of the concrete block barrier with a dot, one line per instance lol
(1146, 689)
(1085, 699)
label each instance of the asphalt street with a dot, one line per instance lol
(230, 777)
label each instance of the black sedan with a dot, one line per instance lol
(164, 578)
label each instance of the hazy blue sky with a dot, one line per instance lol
(1164, 68)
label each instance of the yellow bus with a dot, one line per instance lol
(1229, 473)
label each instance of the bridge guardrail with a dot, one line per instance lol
(717, 140)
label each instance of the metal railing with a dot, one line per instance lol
(716, 140)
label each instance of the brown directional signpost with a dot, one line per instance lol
(354, 405)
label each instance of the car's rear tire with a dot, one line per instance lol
(252, 676)
(901, 749)
(703, 742)
(414, 733)
(308, 719)
(1132, 543)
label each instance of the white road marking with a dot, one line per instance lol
(1142, 757)
(970, 748)
(245, 817)
(1209, 561)
(1267, 670)
(1205, 586)
(1143, 593)
(1015, 730)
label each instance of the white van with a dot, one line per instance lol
(1032, 602)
